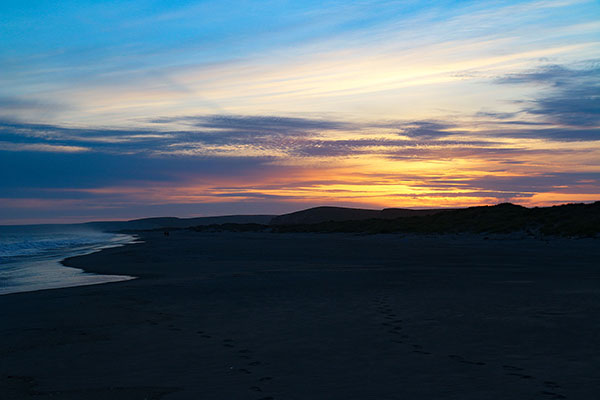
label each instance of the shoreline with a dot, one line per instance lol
(45, 272)
(329, 316)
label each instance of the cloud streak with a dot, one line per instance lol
(7, 146)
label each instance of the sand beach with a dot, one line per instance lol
(224, 315)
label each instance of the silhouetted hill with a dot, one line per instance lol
(173, 222)
(326, 214)
(564, 220)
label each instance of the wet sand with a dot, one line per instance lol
(313, 316)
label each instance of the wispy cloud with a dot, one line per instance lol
(7, 146)
(11, 104)
(429, 129)
(366, 60)
(224, 128)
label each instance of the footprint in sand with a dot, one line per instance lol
(553, 395)
(396, 329)
(551, 384)
(522, 376)
(421, 352)
(244, 353)
(419, 349)
(517, 371)
(462, 360)
(480, 363)
(511, 368)
(228, 343)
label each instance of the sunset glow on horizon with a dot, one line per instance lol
(121, 110)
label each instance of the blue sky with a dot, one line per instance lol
(138, 108)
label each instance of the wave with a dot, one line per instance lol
(30, 256)
(17, 243)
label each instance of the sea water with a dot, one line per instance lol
(30, 256)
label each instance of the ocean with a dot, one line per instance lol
(30, 256)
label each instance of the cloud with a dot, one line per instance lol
(540, 183)
(572, 97)
(7, 146)
(210, 134)
(428, 129)
(259, 124)
(401, 62)
(566, 134)
(573, 105)
(272, 137)
(495, 115)
(552, 75)
(123, 141)
(19, 104)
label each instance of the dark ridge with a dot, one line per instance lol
(326, 214)
(581, 220)
(173, 222)
(575, 220)
(231, 227)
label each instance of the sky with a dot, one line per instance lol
(130, 109)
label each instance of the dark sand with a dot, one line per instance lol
(292, 316)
